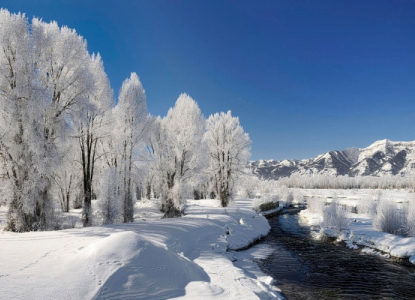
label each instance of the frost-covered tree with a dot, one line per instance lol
(66, 178)
(91, 126)
(229, 150)
(69, 79)
(21, 139)
(153, 157)
(181, 154)
(46, 80)
(63, 68)
(130, 134)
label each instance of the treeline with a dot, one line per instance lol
(65, 141)
(346, 182)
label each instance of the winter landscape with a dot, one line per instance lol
(102, 198)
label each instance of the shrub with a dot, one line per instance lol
(268, 206)
(290, 197)
(315, 205)
(367, 206)
(110, 202)
(335, 217)
(410, 227)
(267, 200)
(389, 218)
(298, 196)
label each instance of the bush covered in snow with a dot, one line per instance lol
(110, 203)
(248, 186)
(335, 217)
(315, 205)
(266, 202)
(411, 218)
(389, 218)
(367, 206)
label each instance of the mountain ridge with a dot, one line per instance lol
(383, 157)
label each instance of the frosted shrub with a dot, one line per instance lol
(174, 201)
(265, 188)
(248, 191)
(286, 195)
(290, 197)
(315, 205)
(335, 217)
(367, 206)
(249, 186)
(389, 218)
(59, 221)
(267, 198)
(110, 202)
(411, 218)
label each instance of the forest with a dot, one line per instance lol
(66, 139)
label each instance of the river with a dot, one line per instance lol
(305, 268)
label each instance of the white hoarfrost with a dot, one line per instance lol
(179, 152)
(229, 149)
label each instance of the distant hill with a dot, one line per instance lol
(383, 157)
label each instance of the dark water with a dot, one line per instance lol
(309, 269)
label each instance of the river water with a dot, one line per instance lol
(308, 269)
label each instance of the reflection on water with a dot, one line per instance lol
(309, 269)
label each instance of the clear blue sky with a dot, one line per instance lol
(304, 77)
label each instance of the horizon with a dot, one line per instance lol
(304, 78)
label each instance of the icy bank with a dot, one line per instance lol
(361, 233)
(185, 257)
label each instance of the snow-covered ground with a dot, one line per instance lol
(353, 197)
(152, 258)
(361, 232)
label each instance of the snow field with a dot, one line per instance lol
(186, 257)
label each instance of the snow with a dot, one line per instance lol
(390, 158)
(361, 232)
(188, 257)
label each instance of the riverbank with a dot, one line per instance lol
(309, 269)
(186, 257)
(361, 234)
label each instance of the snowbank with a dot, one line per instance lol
(185, 257)
(361, 233)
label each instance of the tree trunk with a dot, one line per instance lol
(148, 191)
(86, 213)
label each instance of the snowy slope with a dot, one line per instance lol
(383, 157)
(171, 258)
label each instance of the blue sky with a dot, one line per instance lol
(304, 77)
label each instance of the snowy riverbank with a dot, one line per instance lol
(361, 234)
(185, 257)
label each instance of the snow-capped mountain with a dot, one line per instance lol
(383, 157)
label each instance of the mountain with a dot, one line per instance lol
(383, 157)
